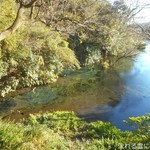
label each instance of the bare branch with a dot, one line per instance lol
(28, 5)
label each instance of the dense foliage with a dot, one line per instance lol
(42, 39)
(61, 36)
(63, 130)
(36, 61)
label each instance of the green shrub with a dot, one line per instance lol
(65, 131)
(34, 57)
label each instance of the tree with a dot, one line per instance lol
(18, 20)
(41, 38)
(136, 7)
(56, 14)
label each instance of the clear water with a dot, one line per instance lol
(136, 98)
(113, 97)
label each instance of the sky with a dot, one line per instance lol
(142, 16)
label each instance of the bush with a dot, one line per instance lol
(33, 58)
(63, 130)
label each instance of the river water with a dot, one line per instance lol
(108, 96)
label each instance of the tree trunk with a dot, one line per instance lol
(16, 24)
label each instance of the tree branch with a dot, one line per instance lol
(29, 5)
(15, 25)
(18, 20)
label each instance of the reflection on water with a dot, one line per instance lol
(135, 100)
(110, 97)
(80, 94)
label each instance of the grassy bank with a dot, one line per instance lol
(65, 131)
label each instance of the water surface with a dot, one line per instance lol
(108, 96)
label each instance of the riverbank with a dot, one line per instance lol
(106, 95)
(65, 131)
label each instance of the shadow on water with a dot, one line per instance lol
(82, 92)
(107, 96)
